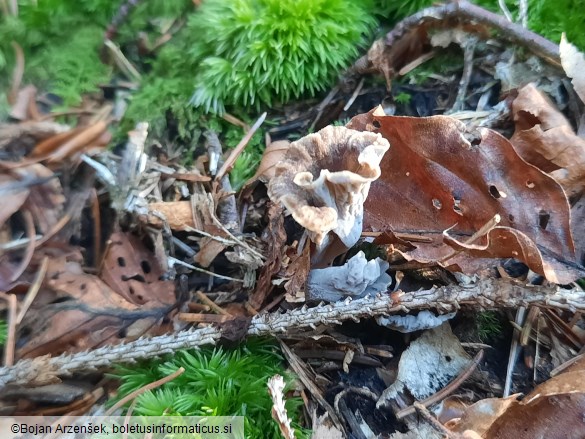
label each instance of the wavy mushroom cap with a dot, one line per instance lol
(324, 180)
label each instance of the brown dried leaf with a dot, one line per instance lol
(178, 214)
(86, 315)
(553, 410)
(544, 138)
(131, 270)
(37, 194)
(437, 176)
(275, 239)
(24, 97)
(298, 271)
(272, 155)
(480, 416)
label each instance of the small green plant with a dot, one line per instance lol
(265, 51)
(216, 382)
(403, 98)
(488, 325)
(3, 331)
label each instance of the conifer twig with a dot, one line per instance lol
(480, 295)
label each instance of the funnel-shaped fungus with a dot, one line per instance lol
(324, 180)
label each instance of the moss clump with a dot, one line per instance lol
(488, 325)
(3, 331)
(257, 52)
(216, 382)
(60, 40)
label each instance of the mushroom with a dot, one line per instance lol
(323, 181)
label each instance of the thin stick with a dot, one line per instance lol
(433, 422)
(468, 52)
(17, 73)
(202, 318)
(33, 290)
(445, 391)
(355, 94)
(229, 163)
(144, 389)
(202, 270)
(97, 227)
(214, 307)
(514, 352)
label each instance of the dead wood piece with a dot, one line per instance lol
(407, 40)
(483, 294)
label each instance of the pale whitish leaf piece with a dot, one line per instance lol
(429, 364)
(275, 388)
(573, 63)
(356, 278)
(411, 323)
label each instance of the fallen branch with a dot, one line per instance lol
(480, 295)
(387, 54)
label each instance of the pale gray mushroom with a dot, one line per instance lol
(324, 180)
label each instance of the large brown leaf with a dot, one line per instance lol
(438, 176)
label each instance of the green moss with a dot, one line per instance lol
(217, 382)
(403, 97)
(488, 325)
(259, 52)
(3, 331)
(60, 40)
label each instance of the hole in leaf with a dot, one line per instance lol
(121, 262)
(530, 184)
(494, 192)
(145, 266)
(448, 358)
(511, 218)
(457, 206)
(437, 204)
(543, 219)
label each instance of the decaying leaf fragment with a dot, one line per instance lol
(545, 139)
(324, 179)
(440, 177)
(553, 410)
